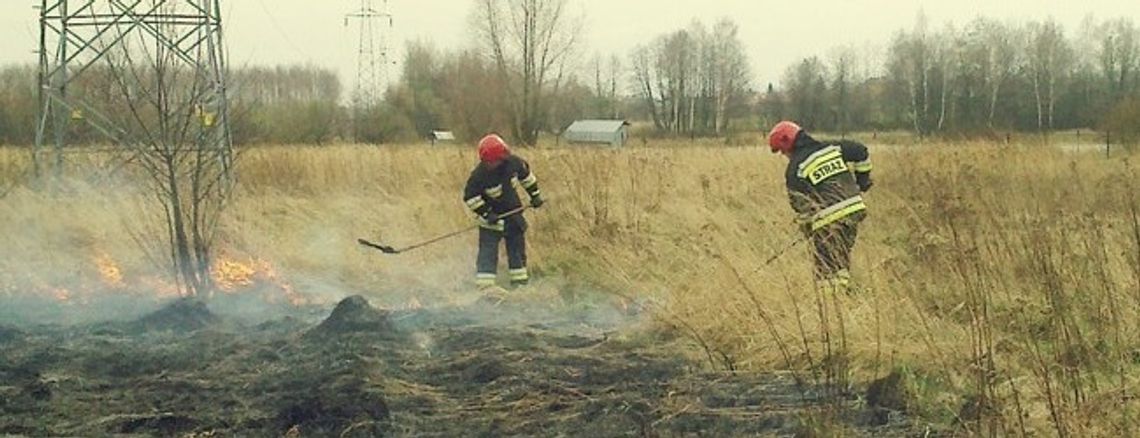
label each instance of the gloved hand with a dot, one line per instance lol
(864, 181)
(805, 228)
(491, 218)
(536, 201)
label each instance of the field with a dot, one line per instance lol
(999, 287)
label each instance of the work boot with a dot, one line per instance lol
(839, 282)
(519, 278)
(842, 282)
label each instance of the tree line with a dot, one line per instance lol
(527, 74)
(986, 76)
(298, 104)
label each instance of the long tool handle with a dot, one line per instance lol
(456, 233)
(389, 250)
(780, 253)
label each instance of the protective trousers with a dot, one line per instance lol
(833, 245)
(487, 262)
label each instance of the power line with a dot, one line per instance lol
(280, 31)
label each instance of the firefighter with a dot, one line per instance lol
(491, 194)
(825, 182)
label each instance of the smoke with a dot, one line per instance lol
(95, 252)
(544, 305)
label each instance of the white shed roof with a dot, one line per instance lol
(596, 126)
(443, 135)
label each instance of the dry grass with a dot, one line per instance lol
(1003, 280)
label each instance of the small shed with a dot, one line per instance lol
(612, 132)
(441, 137)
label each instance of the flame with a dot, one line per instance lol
(234, 276)
(291, 295)
(230, 275)
(109, 270)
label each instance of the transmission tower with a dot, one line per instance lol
(77, 35)
(372, 53)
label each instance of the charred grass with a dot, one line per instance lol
(422, 373)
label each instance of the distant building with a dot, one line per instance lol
(611, 132)
(441, 137)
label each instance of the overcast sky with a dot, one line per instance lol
(775, 33)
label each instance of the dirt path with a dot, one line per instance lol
(480, 370)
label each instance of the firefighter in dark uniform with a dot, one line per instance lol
(825, 182)
(491, 194)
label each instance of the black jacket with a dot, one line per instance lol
(825, 180)
(493, 190)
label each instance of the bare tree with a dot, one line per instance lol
(696, 81)
(176, 129)
(728, 71)
(910, 65)
(666, 75)
(1000, 62)
(645, 81)
(530, 41)
(17, 104)
(475, 95)
(607, 79)
(1120, 57)
(1048, 60)
(693, 80)
(676, 59)
(842, 71)
(806, 88)
(615, 75)
(948, 57)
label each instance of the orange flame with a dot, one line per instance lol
(109, 270)
(291, 295)
(229, 275)
(233, 276)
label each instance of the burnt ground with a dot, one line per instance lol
(477, 370)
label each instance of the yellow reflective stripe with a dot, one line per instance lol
(862, 166)
(812, 167)
(476, 203)
(529, 181)
(484, 279)
(494, 192)
(837, 283)
(819, 156)
(838, 211)
(820, 162)
(828, 169)
(497, 226)
(519, 274)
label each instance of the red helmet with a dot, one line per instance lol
(783, 136)
(492, 148)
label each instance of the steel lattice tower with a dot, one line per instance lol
(76, 35)
(372, 53)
